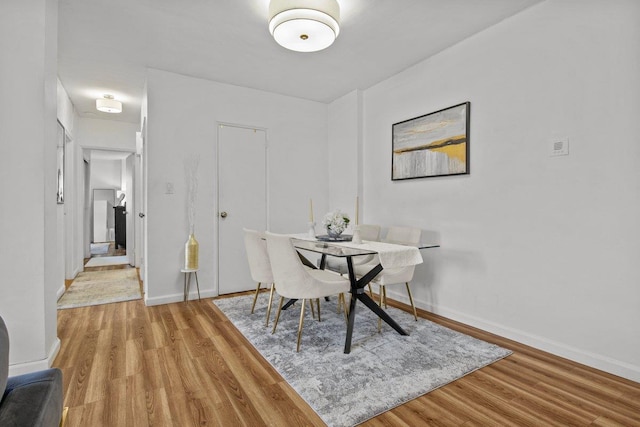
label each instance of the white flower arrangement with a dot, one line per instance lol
(335, 222)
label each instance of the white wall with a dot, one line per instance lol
(543, 250)
(71, 217)
(65, 111)
(345, 155)
(183, 115)
(107, 134)
(106, 173)
(28, 169)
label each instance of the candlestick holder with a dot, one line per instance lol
(356, 235)
(312, 230)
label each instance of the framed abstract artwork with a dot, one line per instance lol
(436, 144)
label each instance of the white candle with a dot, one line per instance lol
(310, 210)
(356, 210)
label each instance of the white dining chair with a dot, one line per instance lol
(368, 232)
(296, 282)
(259, 266)
(393, 276)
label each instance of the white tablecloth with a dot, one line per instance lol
(391, 255)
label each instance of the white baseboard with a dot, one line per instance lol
(36, 365)
(597, 361)
(168, 299)
(60, 292)
(53, 351)
(75, 273)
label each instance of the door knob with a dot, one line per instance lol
(223, 214)
(141, 215)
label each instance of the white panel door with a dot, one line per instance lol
(242, 201)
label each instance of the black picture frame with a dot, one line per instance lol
(432, 145)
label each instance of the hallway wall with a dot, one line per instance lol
(28, 130)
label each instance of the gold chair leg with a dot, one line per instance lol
(275, 323)
(343, 306)
(318, 304)
(313, 311)
(347, 305)
(346, 309)
(255, 298)
(373, 298)
(384, 291)
(63, 420)
(415, 314)
(273, 287)
(301, 323)
(383, 300)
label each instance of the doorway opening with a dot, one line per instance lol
(109, 188)
(108, 245)
(109, 274)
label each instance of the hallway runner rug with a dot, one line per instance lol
(383, 370)
(101, 287)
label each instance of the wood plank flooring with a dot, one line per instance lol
(185, 364)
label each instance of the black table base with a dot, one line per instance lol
(357, 293)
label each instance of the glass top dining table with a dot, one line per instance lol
(338, 248)
(348, 251)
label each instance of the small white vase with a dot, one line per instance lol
(356, 235)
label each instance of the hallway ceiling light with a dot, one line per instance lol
(108, 105)
(304, 25)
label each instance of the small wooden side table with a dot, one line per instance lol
(187, 281)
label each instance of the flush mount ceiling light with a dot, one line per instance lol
(108, 105)
(304, 25)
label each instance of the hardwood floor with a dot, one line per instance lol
(184, 364)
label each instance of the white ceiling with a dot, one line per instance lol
(106, 46)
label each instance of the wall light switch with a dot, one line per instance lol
(559, 146)
(169, 189)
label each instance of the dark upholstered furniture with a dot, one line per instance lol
(29, 400)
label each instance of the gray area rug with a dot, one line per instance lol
(382, 371)
(101, 287)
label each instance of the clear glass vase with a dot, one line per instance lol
(333, 234)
